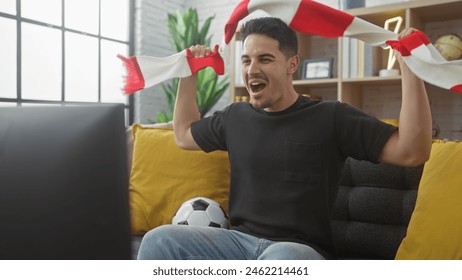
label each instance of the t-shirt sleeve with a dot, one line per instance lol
(209, 132)
(360, 135)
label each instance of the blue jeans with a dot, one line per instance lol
(179, 242)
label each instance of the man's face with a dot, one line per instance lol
(267, 73)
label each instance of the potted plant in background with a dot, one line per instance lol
(184, 32)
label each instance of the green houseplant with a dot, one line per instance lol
(184, 32)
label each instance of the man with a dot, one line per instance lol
(286, 155)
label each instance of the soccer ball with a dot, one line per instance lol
(201, 211)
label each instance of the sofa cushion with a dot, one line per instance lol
(163, 176)
(373, 208)
(435, 229)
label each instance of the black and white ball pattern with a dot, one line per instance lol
(201, 211)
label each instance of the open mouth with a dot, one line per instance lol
(257, 86)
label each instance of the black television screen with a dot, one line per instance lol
(63, 183)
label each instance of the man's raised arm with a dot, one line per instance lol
(186, 110)
(411, 144)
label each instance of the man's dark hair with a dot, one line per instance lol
(274, 28)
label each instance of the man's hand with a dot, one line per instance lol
(199, 51)
(404, 33)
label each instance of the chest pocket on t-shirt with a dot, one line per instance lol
(302, 162)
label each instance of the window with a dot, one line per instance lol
(63, 52)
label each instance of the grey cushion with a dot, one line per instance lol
(373, 208)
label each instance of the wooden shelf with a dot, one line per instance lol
(317, 82)
(373, 80)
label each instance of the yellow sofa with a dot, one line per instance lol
(381, 212)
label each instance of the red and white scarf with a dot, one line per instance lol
(306, 16)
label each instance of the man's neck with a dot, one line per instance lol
(286, 101)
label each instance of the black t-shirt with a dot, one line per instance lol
(285, 166)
